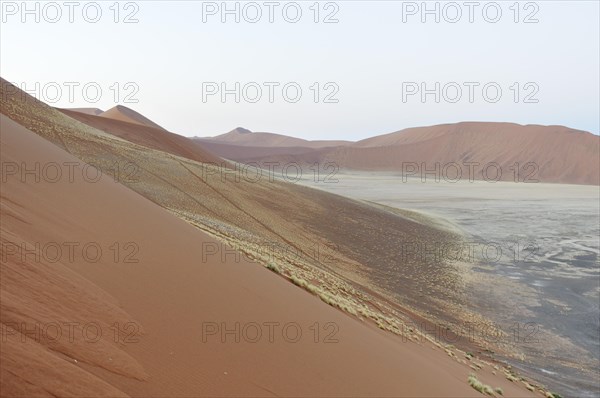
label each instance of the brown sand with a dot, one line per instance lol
(244, 137)
(125, 114)
(150, 137)
(171, 291)
(88, 111)
(555, 153)
(257, 153)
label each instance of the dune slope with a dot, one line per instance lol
(179, 283)
(88, 111)
(126, 114)
(468, 150)
(172, 292)
(47, 309)
(149, 137)
(244, 137)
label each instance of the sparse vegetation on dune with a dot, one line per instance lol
(529, 386)
(479, 386)
(273, 267)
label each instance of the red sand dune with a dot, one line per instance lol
(245, 153)
(168, 294)
(171, 292)
(544, 153)
(244, 137)
(88, 111)
(560, 154)
(149, 137)
(125, 114)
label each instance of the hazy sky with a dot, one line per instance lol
(370, 67)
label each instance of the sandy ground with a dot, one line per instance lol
(163, 303)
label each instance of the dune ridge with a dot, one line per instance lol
(245, 137)
(88, 111)
(468, 150)
(126, 114)
(148, 136)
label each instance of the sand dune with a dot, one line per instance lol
(88, 111)
(484, 151)
(556, 153)
(170, 291)
(244, 137)
(175, 287)
(149, 137)
(42, 296)
(246, 153)
(125, 114)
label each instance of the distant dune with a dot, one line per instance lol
(88, 111)
(482, 150)
(244, 137)
(125, 114)
(245, 153)
(148, 136)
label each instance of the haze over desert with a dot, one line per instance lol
(299, 199)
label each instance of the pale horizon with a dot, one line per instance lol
(164, 64)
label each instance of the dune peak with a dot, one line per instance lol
(240, 130)
(125, 114)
